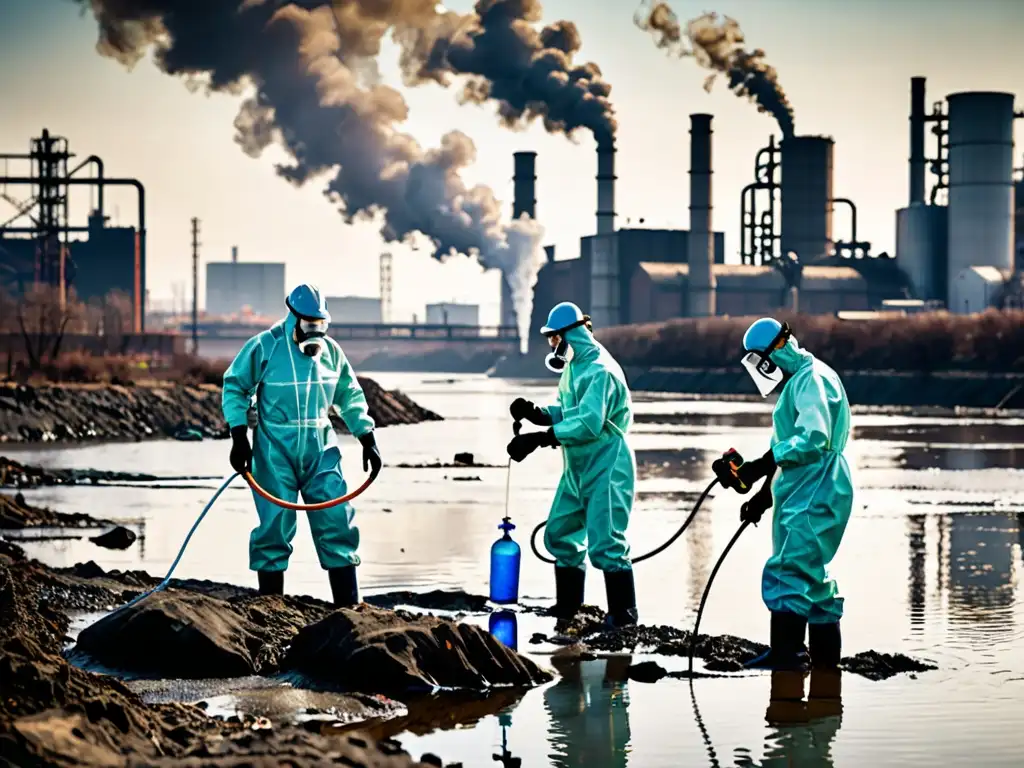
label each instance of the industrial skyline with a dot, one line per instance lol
(180, 145)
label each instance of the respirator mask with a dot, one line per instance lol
(309, 335)
(562, 353)
(558, 358)
(762, 369)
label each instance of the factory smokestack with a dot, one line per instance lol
(524, 203)
(234, 254)
(917, 118)
(605, 188)
(701, 250)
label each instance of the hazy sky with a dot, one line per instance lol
(845, 66)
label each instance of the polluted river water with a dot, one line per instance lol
(930, 566)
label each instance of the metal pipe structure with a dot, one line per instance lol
(853, 215)
(757, 233)
(917, 121)
(981, 209)
(605, 188)
(140, 236)
(701, 250)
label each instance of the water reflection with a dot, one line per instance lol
(686, 463)
(801, 732)
(959, 459)
(505, 627)
(964, 432)
(589, 712)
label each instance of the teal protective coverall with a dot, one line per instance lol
(295, 449)
(595, 495)
(812, 489)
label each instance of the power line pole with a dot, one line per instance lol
(195, 286)
(385, 287)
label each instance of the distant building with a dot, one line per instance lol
(354, 310)
(233, 285)
(453, 314)
(975, 289)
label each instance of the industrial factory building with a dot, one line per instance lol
(450, 313)
(960, 255)
(355, 310)
(236, 286)
(40, 245)
(965, 252)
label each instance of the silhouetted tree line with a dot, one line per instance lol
(992, 341)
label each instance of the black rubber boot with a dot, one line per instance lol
(344, 586)
(569, 584)
(787, 651)
(826, 644)
(271, 582)
(621, 599)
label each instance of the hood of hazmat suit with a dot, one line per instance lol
(295, 449)
(595, 494)
(813, 490)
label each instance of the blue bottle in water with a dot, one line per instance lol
(504, 626)
(505, 557)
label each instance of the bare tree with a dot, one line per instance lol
(43, 319)
(117, 321)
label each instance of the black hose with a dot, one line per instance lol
(647, 556)
(707, 589)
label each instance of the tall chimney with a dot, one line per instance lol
(524, 201)
(524, 181)
(917, 118)
(605, 188)
(234, 254)
(701, 247)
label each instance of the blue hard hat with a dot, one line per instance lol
(761, 334)
(307, 302)
(561, 317)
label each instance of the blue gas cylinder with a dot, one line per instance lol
(505, 557)
(505, 627)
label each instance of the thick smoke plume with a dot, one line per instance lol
(311, 66)
(529, 73)
(718, 46)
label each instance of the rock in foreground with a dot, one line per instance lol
(52, 713)
(371, 649)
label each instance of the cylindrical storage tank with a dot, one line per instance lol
(807, 196)
(921, 249)
(980, 181)
(1018, 202)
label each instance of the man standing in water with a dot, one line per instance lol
(296, 373)
(812, 495)
(594, 499)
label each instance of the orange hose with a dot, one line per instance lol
(306, 507)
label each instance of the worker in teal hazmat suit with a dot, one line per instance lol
(807, 480)
(297, 374)
(595, 495)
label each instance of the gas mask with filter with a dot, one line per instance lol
(561, 354)
(309, 335)
(762, 369)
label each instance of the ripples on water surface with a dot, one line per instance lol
(930, 566)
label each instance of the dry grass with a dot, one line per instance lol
(992, 341)
(83, 368)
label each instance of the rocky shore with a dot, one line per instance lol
(82, 412)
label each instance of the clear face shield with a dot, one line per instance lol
(762, 369)
(766, 374)
(309, 335)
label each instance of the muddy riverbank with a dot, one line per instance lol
(94, 412)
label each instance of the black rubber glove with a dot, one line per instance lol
(241, 451)
(523, 445)
(523, 410)
(371, 455)
(754, 507)
(750, 472)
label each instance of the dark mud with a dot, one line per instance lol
(720, 653)
(16, 475)
(118, 537)
(53, 713)
(84, 412)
